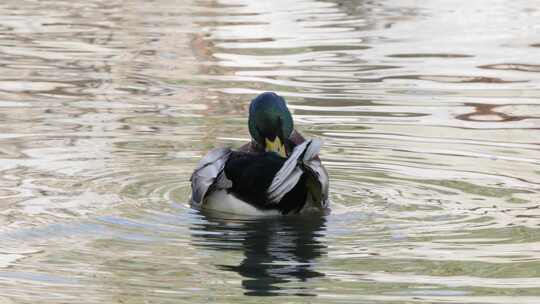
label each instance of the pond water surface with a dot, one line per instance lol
(429, 111)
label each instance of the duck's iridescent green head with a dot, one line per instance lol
(270, 122)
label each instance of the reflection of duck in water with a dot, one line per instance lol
(278, 172)
(276, 250)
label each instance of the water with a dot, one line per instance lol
(429, 111)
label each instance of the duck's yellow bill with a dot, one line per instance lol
(275, 146)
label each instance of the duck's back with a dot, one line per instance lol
(252, 174)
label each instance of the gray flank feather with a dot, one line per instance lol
(312, 150)
(208, 170)
(318, 174)
(291, 171)
(283, 188)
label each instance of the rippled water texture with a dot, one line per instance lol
(429, 111)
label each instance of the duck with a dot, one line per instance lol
(278, 172)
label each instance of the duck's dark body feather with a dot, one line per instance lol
(252, 174)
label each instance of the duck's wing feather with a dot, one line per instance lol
(318, 182)
(208, 173)
(302, 159)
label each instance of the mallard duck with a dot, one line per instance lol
(278, 172)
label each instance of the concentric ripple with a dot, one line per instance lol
(429, 114)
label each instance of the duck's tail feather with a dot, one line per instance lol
(208, 173)
(290, 173)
